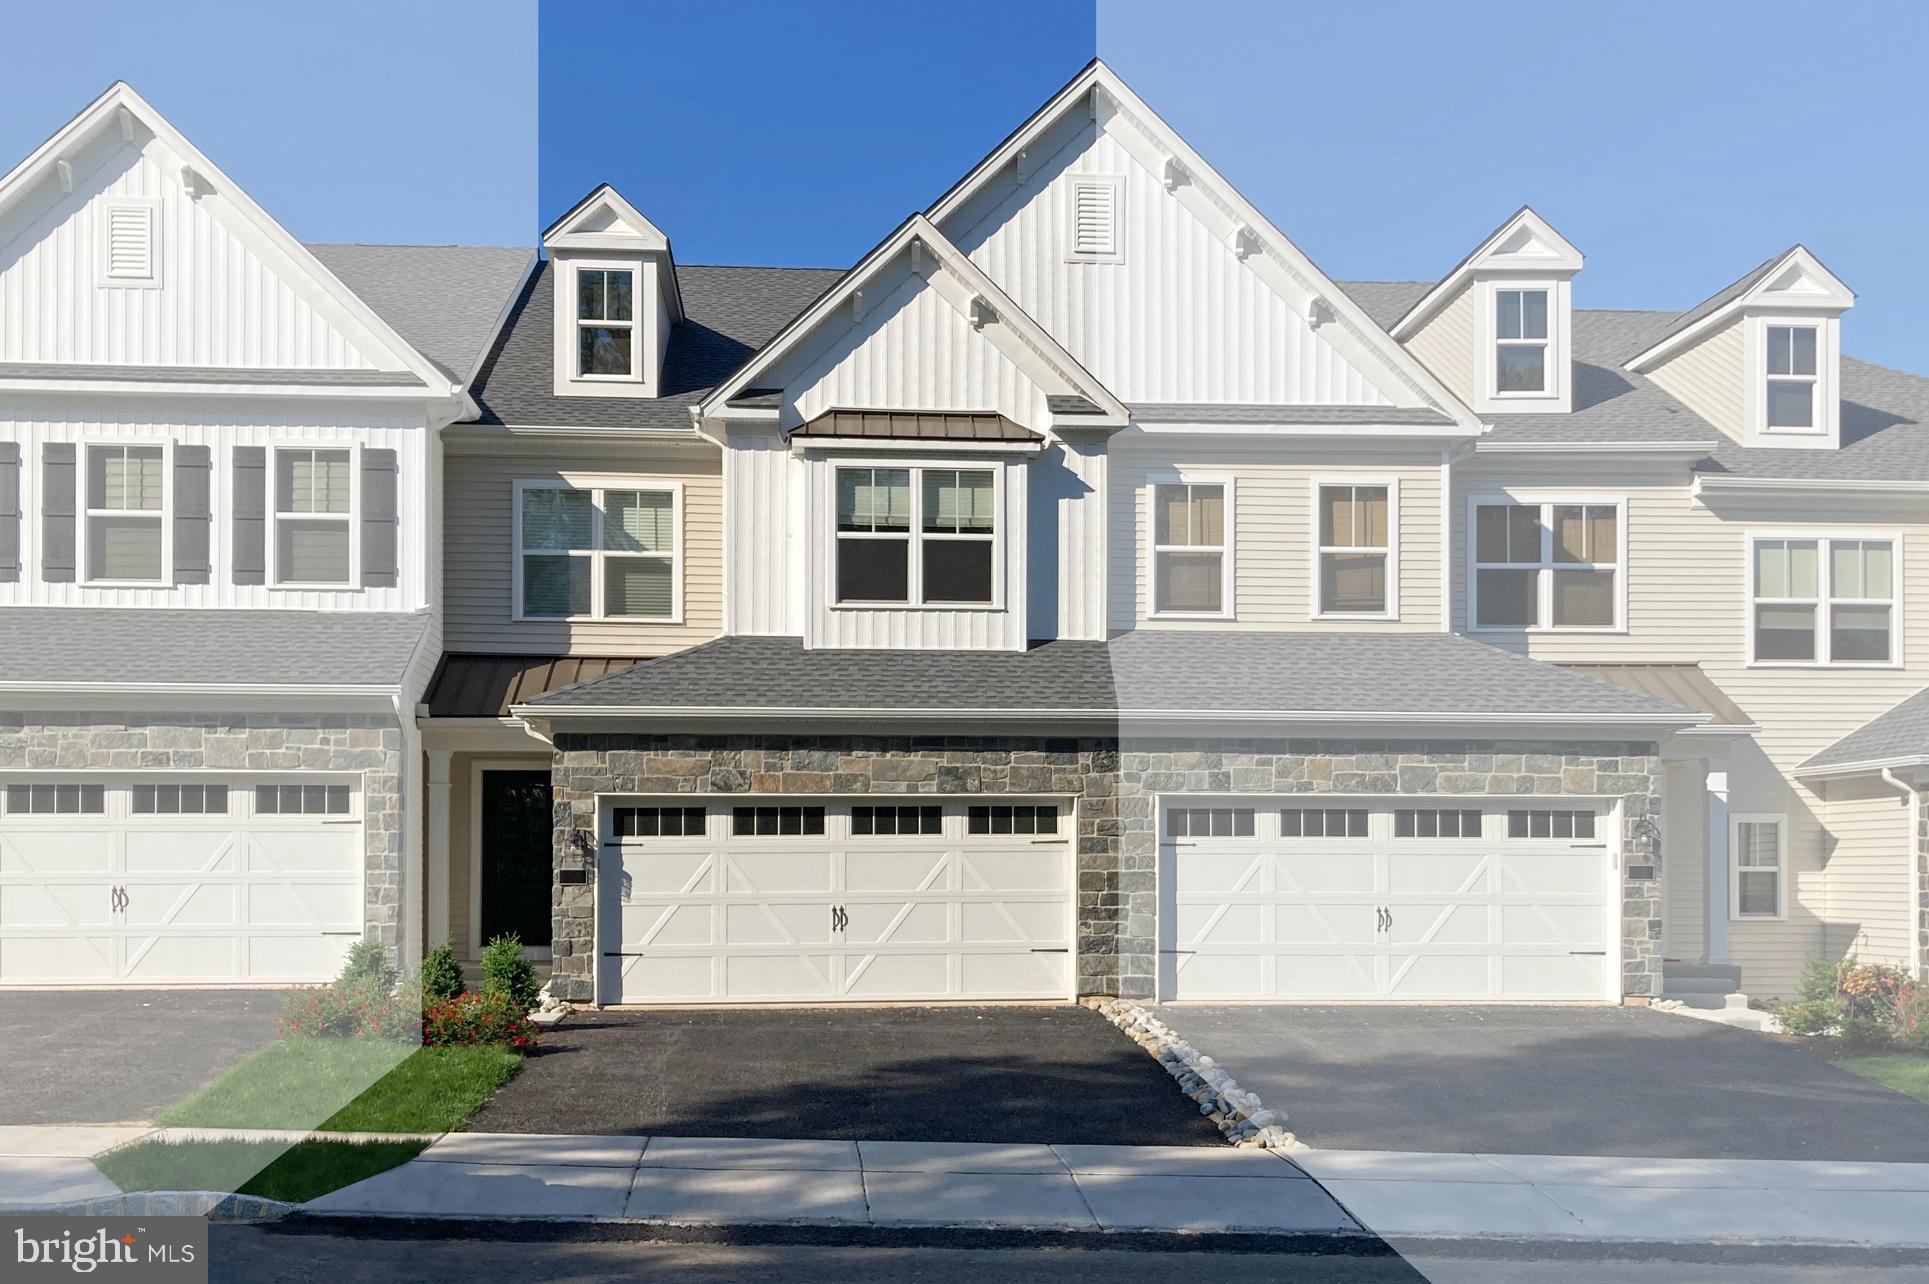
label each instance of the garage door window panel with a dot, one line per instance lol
(776, 822)
(1436, 822)
(1324, 822)
(660, 822)
(1192, 553)
(126, 514)
(1011, 818)
(56, 799)
(886, 822)
(1209, 822)
(180, 800)
(303, 800)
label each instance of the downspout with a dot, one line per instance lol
(1915, 868)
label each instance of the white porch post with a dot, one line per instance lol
(438, 804)
(1716, 786)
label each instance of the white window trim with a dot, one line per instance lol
(1545, 344)
(1828, 415)
(353, 516)
(1315, 607)
(84, 536)
(596, 554)
(914, 570)
(1825, 603)
(1557, 394)
(1545, 582)
(572, 358)
(1735, 822)
(1227, 562)
(153, 280)
(1117, 183)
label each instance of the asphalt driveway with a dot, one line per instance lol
(990, 1074)
(113, 1056)
(1550, 1081)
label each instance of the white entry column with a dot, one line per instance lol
(438, 880)
(1716, 787)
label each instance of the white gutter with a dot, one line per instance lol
(1872, 766)
(1190, 716)
(1850, 486)
(1914, 868)
(1691, 449)
(382, 690)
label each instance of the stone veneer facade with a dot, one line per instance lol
(367, 743)
(1115, 787)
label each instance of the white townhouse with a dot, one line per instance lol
(1080, 593)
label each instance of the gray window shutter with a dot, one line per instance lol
(57, 512)
(9, 511)
(250, 514)
(378, 519)
(193, 518)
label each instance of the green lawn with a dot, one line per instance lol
(349, 1085)
(267, 1169)
(1905, 1072)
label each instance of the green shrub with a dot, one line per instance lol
(354, 1009)
(1859, 1003)
(489, 1017)
(441, 974)
(505, 971)
(368, 961)
(1912, 1017)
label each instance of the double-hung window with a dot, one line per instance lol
(1792, 378)
(1547, 566)
(1520, 341)
(1191, 548)
(314, 516)
(597, 552)
(1355, 550)
(1823, 600)
(916, 536)
(126, 514)
(605, 323)
(1757, 876)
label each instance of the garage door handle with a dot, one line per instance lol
(1593, 952)
(1050, 949)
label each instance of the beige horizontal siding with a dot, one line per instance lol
(1868, 871)
(1445, 344)
(1707, 378)
(478, 565)
(1274, 529)
(1688, 602)
(1684, 867)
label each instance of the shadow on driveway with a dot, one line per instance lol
(113, 1056)
(1550, 1081)
(989, 1074)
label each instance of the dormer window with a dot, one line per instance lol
(1520, 342)
(1792, 378)
(605, 323)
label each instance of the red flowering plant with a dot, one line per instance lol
(352, 1009)
(490, 1017)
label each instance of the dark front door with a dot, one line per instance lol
(516, 859)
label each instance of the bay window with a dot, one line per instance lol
(1355, 550)
(1547, 566)
(1823, 600)
(597, 552)
(126, 514)
(1191, 549)
(916, 536)
(314, 516)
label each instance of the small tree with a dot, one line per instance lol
(441, 975)
(505, 971)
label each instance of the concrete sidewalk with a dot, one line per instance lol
(1401, 1195)
(43, 1164)
(894, 1183)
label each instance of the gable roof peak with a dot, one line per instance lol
(1524, 242)
(1796, 274)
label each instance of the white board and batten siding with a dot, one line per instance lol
(222, 429)
(478, 554)
(220, 293)
(1175, 315)
(1275, 527)
(1687, 601)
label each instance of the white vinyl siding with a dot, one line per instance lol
(479, 607)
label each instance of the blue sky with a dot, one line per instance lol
(413, 120)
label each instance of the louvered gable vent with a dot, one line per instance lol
(1095, 219)
(130, 243)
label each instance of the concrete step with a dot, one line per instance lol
(1672, 984)
(1703, 971)
(1706, 1001)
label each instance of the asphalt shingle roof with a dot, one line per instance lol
(240, 648)
(1902, 732)
(444, 299)
(729, 312)
(1151, 671)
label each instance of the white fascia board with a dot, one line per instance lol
(1273, 247)
(892, 446)
(1834, 297)
(1564, 260)
(187, 696)
(1689, 450)
(409, 392)
(1867, 767)
(972, 284)
(1715, 483)
(469, 433)
(104, 112)
(564, 233)
(1174, 429)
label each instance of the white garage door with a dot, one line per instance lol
(708, 902)
(159, 880)
(1388, 902)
